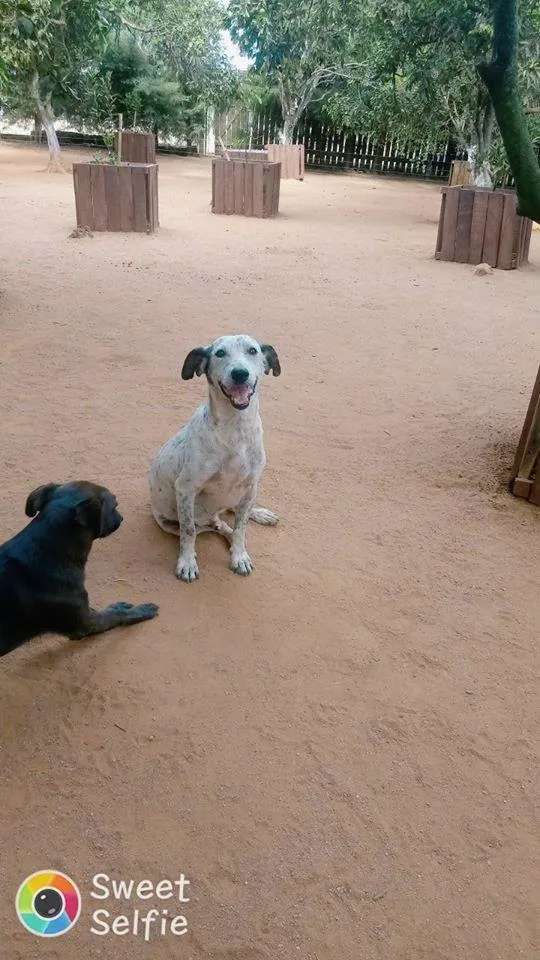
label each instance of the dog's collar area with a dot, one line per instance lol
(239, 395)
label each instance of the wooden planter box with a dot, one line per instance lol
(526, 470)
(481, 226)
(246, 188)
(292, 159)
(460, 174)
(246, 154)
(118, 197)
(137, 147)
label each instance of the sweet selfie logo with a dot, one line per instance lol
(48, 903)
(137, 920)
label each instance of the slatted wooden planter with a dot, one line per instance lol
(245, 187)
(116, 197)
(137, 147)
(481, 226)
(245, 154)
(526, 470)
(460, 174)
(292, 159)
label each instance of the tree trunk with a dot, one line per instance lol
(486, 127)
(350, 143)
(289, 111)
(36, 133)
(44, 112)
(56, 164)
(501, 79)
(289, 123)
(480, 168)
(477, 152)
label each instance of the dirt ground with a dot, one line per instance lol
(339, 752)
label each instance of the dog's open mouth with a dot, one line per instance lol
(239, 395)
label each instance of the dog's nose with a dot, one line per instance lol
(239, 375)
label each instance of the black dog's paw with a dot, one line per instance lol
(126, 613)
(146, 611)
(121, 607)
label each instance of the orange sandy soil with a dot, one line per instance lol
(340, 751)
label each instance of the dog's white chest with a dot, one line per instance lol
(233, 480)
(235, 477)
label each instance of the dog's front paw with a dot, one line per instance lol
(187, 569)
(133, 612)
(241, 563)
(146, 611)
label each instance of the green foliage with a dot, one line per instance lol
(405, 68)
(258, 93)
(300, 47)
(145, 98)
(158, 61)
(421, 80)
(50, 60)
(148, 98)
(183, 41)
(16, 23)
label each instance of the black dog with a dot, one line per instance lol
(42, 567)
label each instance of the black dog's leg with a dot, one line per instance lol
(116, 615)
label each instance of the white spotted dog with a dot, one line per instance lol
(215, 462)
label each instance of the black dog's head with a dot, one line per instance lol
(87, 504)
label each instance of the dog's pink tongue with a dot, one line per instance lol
(240, 395)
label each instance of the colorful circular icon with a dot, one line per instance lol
(48, 903)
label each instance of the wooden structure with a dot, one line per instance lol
(460, 174)
(292, 159)
(246, 188)
(481, 226)
(116, 196)
(135, 147)
(526, 470)
(245, 154)
(332, 148)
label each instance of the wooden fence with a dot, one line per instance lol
(71, 138)
(327, 148)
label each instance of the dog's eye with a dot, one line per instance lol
(220, 353)
(252, 351)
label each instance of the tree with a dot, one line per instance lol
(501, 78)
(50, 47)
(52, 54)
(137, 90)
(421, 80)
(183, 42)
(300, 45)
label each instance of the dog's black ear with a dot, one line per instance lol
(196, 362)
(94, 515)
(39, 497)
(271, 360)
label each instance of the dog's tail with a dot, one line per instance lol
(263, 516)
